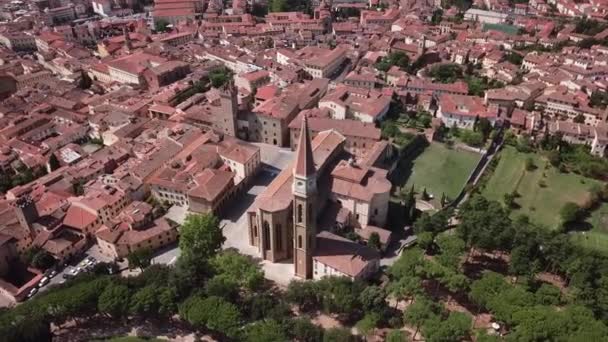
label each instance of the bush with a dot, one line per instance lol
(472, 138)
(530, 166)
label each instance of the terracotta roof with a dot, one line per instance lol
(344, 255)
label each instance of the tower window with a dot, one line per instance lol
(299, 241)
(299, 213)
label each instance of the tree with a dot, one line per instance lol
(453, 329)
(53, 162)
(140, 258)
(222, 286)
(337, 335)
(85, 81)
(201, 237)
(373, 298)
(305, 294)
(43, 260)
(214, 313)
(302, 329)
(437, 16)
(570, 212)
(419, 311)
(396, 336)
(144, 302)
(452, 248)
(239, 268)
(425, 195)
(265, 331)
(485, 224)
(446, 73)
(224, 316)
(219, 77)
(161, 25)
(484, 126)
(374, 241)
(114, 300)
(367, 325)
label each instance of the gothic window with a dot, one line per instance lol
(266, 235)
(299, 213)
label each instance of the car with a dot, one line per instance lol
(52, 274)
(91, 258)
(63, 281)
(43, 281)
(67, 276)
(32, 292)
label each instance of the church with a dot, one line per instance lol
(324, 190)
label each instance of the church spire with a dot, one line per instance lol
(305, 164)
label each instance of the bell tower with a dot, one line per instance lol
(304, 208)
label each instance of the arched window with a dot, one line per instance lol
(299, 213)
(299, 241)
(266, 236)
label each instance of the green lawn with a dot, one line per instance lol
(440, 170)
(541, 204)
(597, 238)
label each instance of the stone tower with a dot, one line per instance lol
(128, 44)
(228, 109)
(304, 206)
(26, 212)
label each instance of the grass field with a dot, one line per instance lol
(440, 169)
(541, 204)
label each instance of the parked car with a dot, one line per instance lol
(52, 274)
(43, 281)
(32, 292)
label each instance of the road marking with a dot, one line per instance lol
(172, 261)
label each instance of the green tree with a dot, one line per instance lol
(223, 316)
(219, 77)
(305, 294)
(140, 258)
(373, 298)
(43, 260)
(302, 329)
(570, 212)
(265, 331)
(114, 300)
(419, 311)
(145, 302)
(453, 329)
(368, 323)
(374, 241)
(239, 268)
(396, 336)
(452, 248)
(338, 335)
(161, 25)
(53, 162)
(437, 16)
(201, 237)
